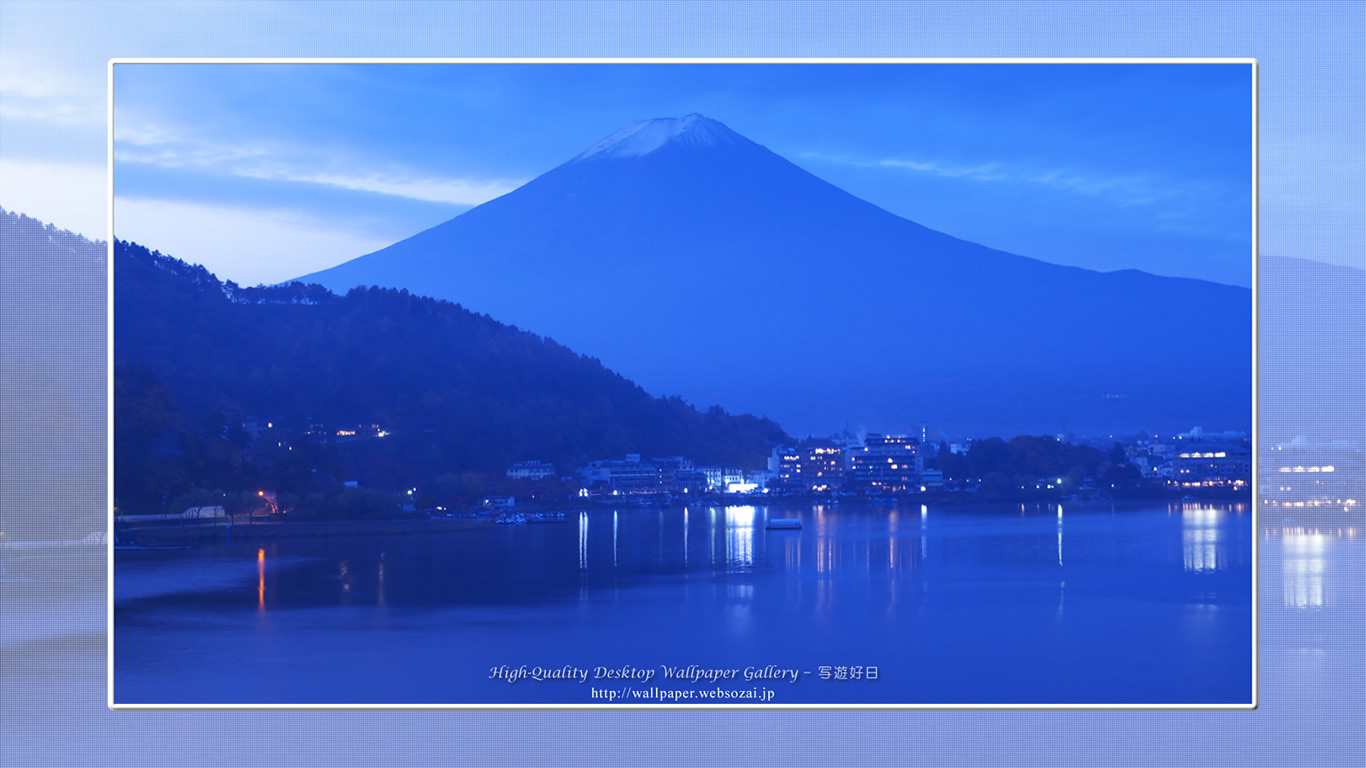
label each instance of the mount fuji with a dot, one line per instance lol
(698, 263)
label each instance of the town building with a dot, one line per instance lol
(713, 477)
(1212, 465)
(1300, 473)
(888, 464)
(689, 481)
(789, 471)
(622, 477)
(822, 464)
(531, 470)
(761, 479)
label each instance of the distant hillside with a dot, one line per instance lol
(457, 391)
(52, 380)
(1312, 336)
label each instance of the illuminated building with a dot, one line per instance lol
(888, 464)
(1211, 465)
(790, 470)
(817, 466)
(1300, 473)
(822, 466)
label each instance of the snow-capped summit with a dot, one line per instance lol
(645, 136)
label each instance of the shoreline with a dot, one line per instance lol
(171, 535)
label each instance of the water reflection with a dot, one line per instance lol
(712, 533)
(739, 537)
(1201, 545)
(1305, 554)
(379, 580)
(776, 589)
(1060, 536)
(583, 541)
(344, 578)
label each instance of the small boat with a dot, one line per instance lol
(784, 524)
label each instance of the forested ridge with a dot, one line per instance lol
(455, 391)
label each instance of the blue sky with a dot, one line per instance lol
(53, 64)
(265, 172)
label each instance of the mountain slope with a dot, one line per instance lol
(698, 262)
(458, 391)
(53, 291)
(1312, 336)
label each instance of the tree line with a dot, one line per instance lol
(458, 392)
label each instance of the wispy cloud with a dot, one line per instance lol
(1121, 189)
(401, 183)
(45, 96)
(149, 143)
(983, 172)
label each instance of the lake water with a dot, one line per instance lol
(1035, 603)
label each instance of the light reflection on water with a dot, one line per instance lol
(740, 537)
(924, 524)
(1302, 566)
(583, 541)
(712, 538)
(1059, 535)
(1200, 539)
(838, 541)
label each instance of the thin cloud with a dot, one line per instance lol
(432, 189)
(1123, 189)
(983, 172)
(37, 96)
(1128, 190)
(145, 142)
(148, 143)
